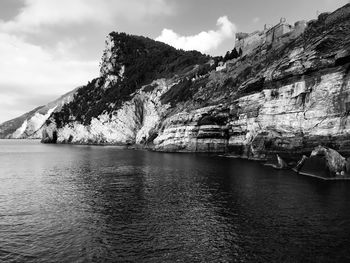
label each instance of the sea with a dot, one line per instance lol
(71, 203)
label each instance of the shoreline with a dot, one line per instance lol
(320, 177)
(308, 174)
(219, 154)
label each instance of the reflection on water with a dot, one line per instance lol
(61, 203)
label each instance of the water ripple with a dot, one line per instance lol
(63, 203)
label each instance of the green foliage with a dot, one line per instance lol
(179, 92)
(233, 54)
(88, 102)
(241, 35)
(145, 60)
(182, 91)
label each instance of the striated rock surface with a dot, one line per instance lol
(285, 100)
(201, 130)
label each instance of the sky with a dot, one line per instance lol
(50, 47)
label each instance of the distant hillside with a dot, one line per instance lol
(9, 127)
(29, 124)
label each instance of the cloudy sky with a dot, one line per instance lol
(49, 47)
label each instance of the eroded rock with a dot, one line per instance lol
(336, 163)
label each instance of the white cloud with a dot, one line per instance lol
(25, 64)
(37, 13)
(203, 41)
(29, 70)
(256, 20)
(36, 68)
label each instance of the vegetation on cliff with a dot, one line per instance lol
(144, 60)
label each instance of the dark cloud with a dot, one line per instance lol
(10, 8)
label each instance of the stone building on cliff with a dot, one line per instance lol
(277, 31)
(273, 35)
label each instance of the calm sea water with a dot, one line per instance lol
(61, 203)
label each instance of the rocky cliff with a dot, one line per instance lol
(126, 104)
(281, 98)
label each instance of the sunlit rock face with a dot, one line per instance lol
(201, 130)
(294, 117)
(30, 127)
(134, 122)
(111, 64)
(283, 99)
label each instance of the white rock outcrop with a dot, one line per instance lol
(133, 123)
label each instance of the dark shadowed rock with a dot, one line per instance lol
(335, 162)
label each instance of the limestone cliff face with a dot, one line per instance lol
(294, 117)
(202, 130)
(285, 98)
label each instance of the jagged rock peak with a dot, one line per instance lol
(141, 59)
(110, 57)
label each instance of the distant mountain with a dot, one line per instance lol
(30, 124)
